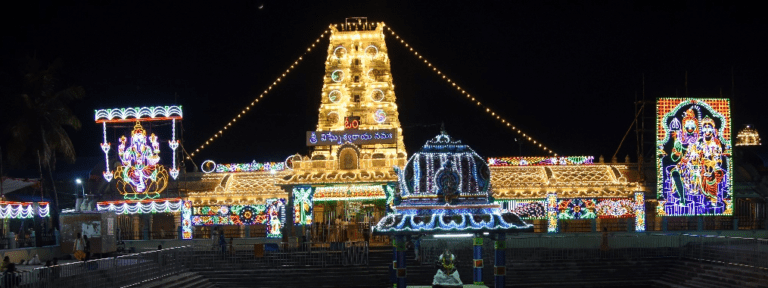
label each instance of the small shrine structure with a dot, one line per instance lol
(444, 188)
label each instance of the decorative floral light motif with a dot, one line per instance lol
(140, 175)
(380, 116)
(377, 95)
(576, 209)
(615, 208)
(334, 96)
(272, 214)
(337, 76)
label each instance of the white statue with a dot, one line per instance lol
(446, 275)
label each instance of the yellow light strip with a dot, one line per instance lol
(490, 112)
(248, 107)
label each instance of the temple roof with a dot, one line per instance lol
(568, 181)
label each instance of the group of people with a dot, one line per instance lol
(218, 240)
(8, 269)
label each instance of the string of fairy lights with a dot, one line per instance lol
(247, 108)
(473, 99)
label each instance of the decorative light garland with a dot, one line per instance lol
(248, 107)
(142, 207)
(173, 143)
(23, 210)
(242, 167)
(349, 193)
(132, 114)
(493, 114)
(540, 161)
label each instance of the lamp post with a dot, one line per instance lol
(79, 199)
(80, 182)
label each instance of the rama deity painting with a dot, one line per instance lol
(694, 160)
(140, 176)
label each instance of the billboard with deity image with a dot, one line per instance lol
(693, 157)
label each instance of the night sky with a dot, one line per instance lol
(566, 74)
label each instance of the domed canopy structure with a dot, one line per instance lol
(446, 187)
(445, 171)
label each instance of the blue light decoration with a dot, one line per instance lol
(446, 187)
(693, 156)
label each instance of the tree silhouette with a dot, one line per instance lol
(39, 106)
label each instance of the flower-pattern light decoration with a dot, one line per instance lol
(615, 208)
(576, 209)
(140, 176)
(272, 214)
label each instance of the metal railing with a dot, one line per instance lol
(121, 271)
(750, 252)
(249, 256)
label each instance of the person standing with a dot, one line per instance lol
(223, 243)
(87, 248)
(213, 239)
(79, 246)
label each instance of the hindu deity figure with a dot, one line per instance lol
(711, 150)
(273, 213)
(139, 159)
(686, 172)
(446, 275)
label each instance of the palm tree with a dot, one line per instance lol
(37, 132)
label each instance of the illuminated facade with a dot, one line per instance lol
(552, 189)
(748, 137)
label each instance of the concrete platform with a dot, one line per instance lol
(465, 286)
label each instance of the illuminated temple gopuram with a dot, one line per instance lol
(348, 178)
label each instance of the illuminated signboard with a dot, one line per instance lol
(358, 137)
(693, 148)
(352, 122)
